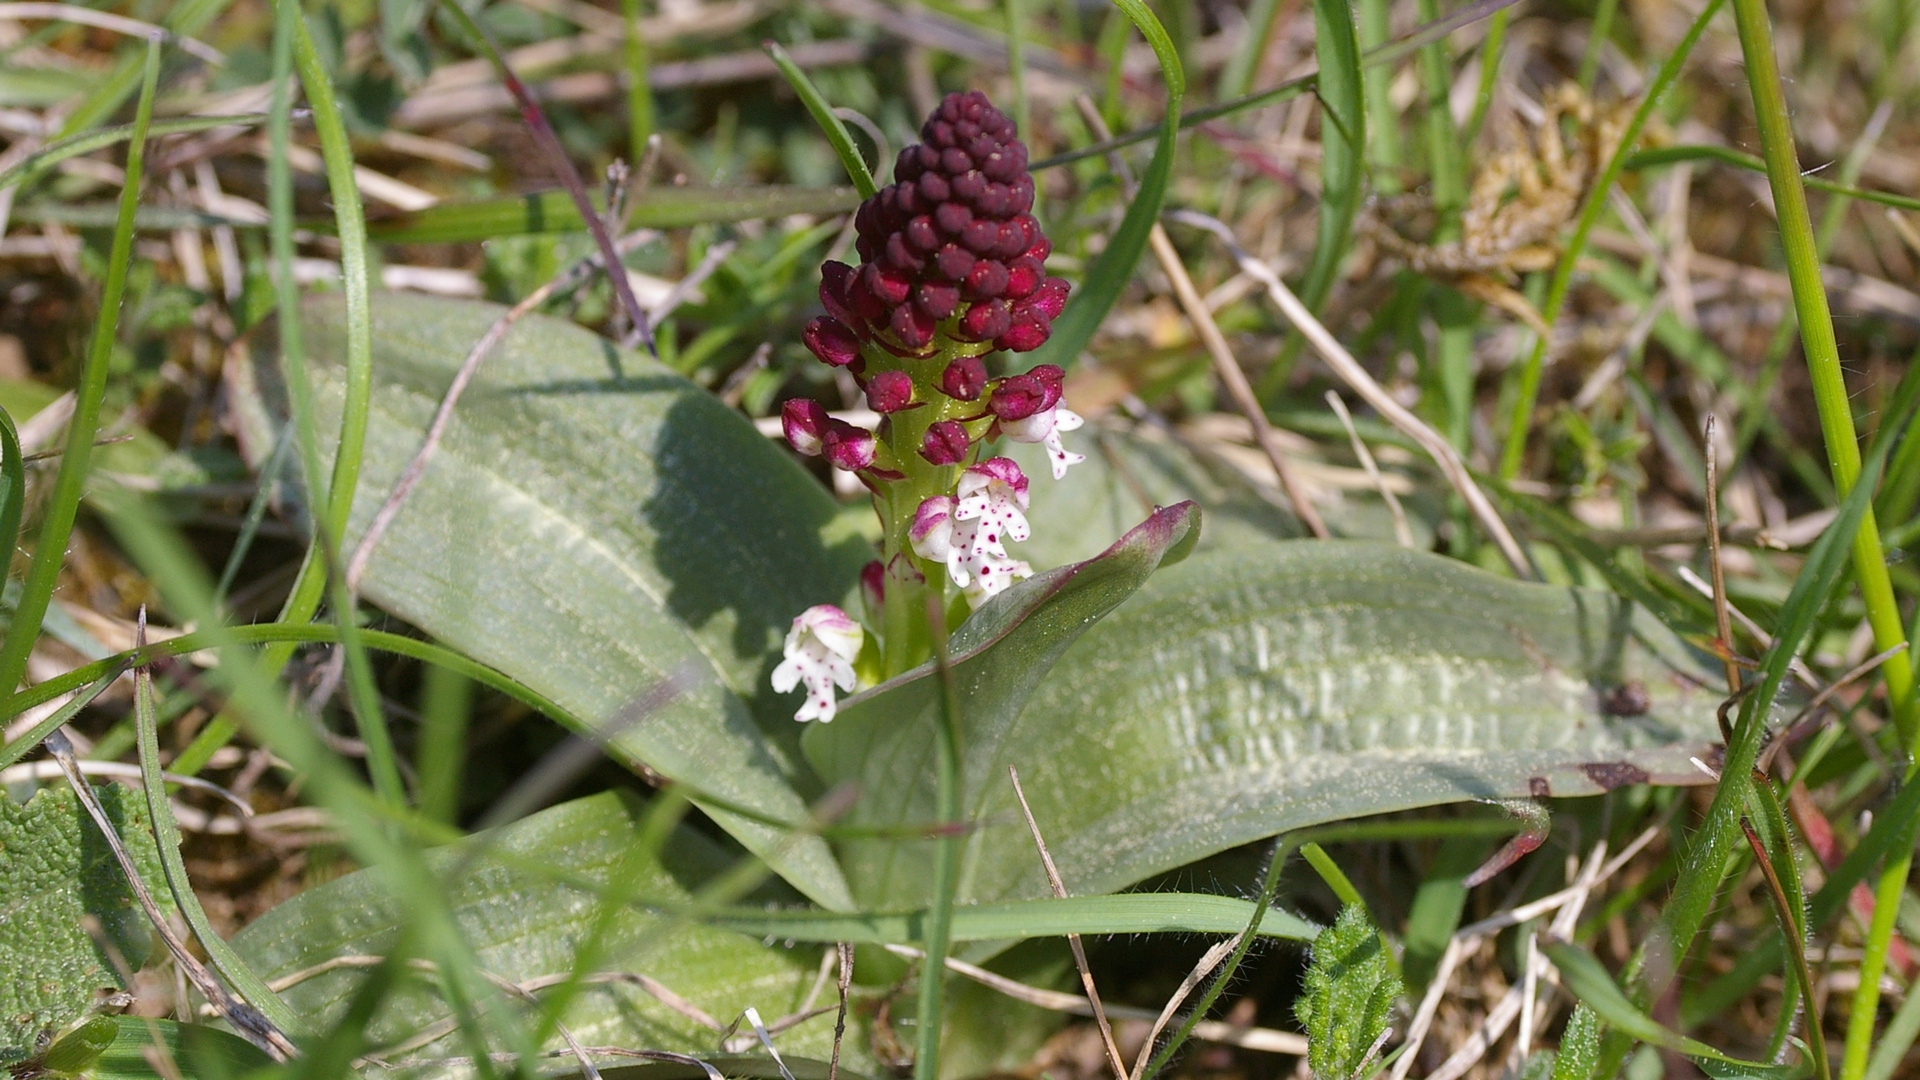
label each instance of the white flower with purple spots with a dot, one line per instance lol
(968, 530)
(1045, 427)
(820, 651)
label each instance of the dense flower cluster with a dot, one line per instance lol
(952, 269)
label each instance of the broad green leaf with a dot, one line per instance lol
(1130, 471)
(56, 873)
(593, 524)
(882, 739)
(1128, 475)
(1347, 996)
(554, 211)
(524, 925)
(1272, 686)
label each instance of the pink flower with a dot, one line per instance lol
(820, 650)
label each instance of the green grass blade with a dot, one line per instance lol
(1520, 421)
(836, 132)
(1237, 76)
(166, 835)
(1343, 109)
(1705, 859)
(1726, 155)
(271, 633)
(336, 151)
(1343, 146)
(1377, 56)
(1588, 981)
(1123, 913)
(1275, 863)
(13, 475)
(49, 555)
(639, 93)
(657, 207)
(1110, 272)
(30, 738)
(43, 160)
(1017, 64)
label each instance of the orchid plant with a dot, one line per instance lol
(953, 270)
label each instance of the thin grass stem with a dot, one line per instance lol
(49, 554)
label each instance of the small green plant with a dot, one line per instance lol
(1348, 997)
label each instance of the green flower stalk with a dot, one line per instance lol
(953, 268)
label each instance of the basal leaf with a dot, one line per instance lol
(56, 873)
(1270, 686)
(882, 741)
(593, 524)
(524, 924)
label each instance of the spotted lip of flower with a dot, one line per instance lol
(819, 650)
(968, 530)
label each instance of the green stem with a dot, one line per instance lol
(1521, 419)
(946, 859)
(1843, 457)
(639, 93)
(49, 555)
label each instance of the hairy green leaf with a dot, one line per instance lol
(1347, 998)
(56, 875)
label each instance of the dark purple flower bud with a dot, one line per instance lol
(1024, 276)
(1029, 331)
(891, 286)
(946, 443)
(937, 299)
(921, 236)
(964, 379)
(968, 186)
(986, 281)
(829, 339)
(835, 277)
(1020, 396)
(848, 447)
(981, 237)
(952, 236)
(953, 218)
(889, 392)
(805, 423)
(913, 327)
(984, 321)
(953, 262)
(1051, 298)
